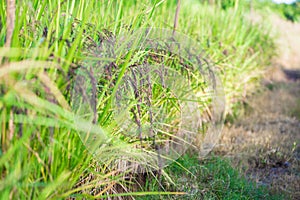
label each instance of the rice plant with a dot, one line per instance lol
(91, 92)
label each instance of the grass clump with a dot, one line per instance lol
(239, 48)
(211, 178)
(42, 146)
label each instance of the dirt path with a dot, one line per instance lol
(265, 142)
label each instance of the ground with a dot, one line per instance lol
(264, 142)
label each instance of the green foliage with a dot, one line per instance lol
(290, 12)
(42, 155)
(227, 4)
(212, 178)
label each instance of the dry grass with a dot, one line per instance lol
(265, 141)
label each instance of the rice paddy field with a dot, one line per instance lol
(115, 99)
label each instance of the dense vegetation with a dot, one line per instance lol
(42, 150)
(290, 12)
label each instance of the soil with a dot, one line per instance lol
(265, 141)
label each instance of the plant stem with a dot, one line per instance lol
(10, 21)
(176, 17)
